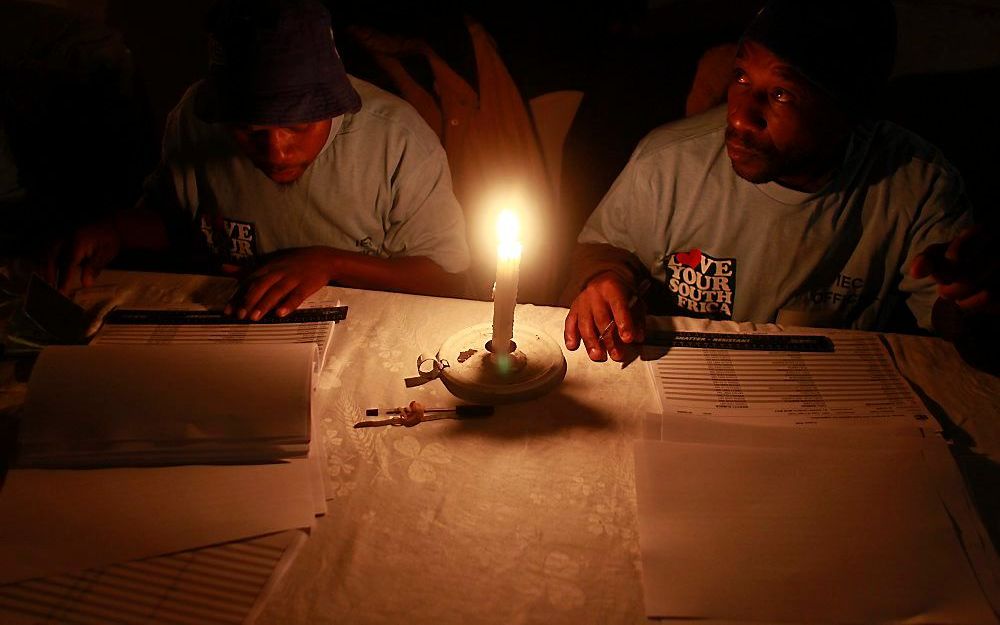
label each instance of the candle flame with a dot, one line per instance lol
(509, 248)
(507, 227)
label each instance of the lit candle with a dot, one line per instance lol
(505, 288)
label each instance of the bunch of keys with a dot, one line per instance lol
(415, 413)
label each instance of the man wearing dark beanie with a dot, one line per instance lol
(281, 168)
(788, 205)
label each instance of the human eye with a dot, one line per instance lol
(782, 95)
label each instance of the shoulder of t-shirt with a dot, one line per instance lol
(689, 134)
(897, 144)
(186, 103)
(183, 125)
(393, 114)
(915, 163)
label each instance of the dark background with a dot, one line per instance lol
(88, 83)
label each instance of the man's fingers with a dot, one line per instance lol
(88, 274)
(623, 319)
(932, 261)
(66, 279)
(960, 248)
(295, 298)
(980, 302)
(590, 328)
(958, 290)
(249, 300)
(571, 334)
(91, 267)
(580, 327)
(70, 267)
(964, 259)
(278, 291)
(922, 266)
(616, 347)
(256, 274)
(602, 304)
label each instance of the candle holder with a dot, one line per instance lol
(476, 374)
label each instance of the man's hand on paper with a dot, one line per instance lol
(83, 254)
(967, 270)
(605, 300)
(90, 249)
(283, 282)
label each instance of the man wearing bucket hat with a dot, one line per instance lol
(787, 205)
(290, 173)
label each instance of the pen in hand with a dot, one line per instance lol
(643, 287)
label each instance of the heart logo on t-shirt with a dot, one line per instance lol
(700, 284)
(691, 258)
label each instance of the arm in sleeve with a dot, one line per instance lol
(609, 241)
(941, 214)
(170, 192)
(425, 218)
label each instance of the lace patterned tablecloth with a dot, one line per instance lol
(528, 516)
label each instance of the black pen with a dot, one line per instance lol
(412, 416)
(462, 410)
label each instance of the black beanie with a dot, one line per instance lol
(845, 47)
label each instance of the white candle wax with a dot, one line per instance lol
(505, 288)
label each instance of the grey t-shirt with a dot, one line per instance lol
(380, 186)
(730, 249)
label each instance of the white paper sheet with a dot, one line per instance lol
(54, 522)
(661, 427)
(225, 584)
(856, 383)
(125, 404)
(814, 535)
(941, 469)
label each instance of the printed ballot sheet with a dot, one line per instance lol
(745, 515)
(313, 323)
(795, 531)
(857, 381)
(223, 584)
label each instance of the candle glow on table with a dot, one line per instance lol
(505, 287)
(506, 370)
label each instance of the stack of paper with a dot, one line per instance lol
(142, 448)
(167, 404)
(784, 525)
(313, 322)
(754, 505)
(56, 521)
(855, 383)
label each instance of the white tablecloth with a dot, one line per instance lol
(525, 517)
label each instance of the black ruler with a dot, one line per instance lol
(122, 316)
(754, 342)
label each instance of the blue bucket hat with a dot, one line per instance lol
(273, 62)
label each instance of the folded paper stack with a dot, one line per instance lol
(141, 405)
